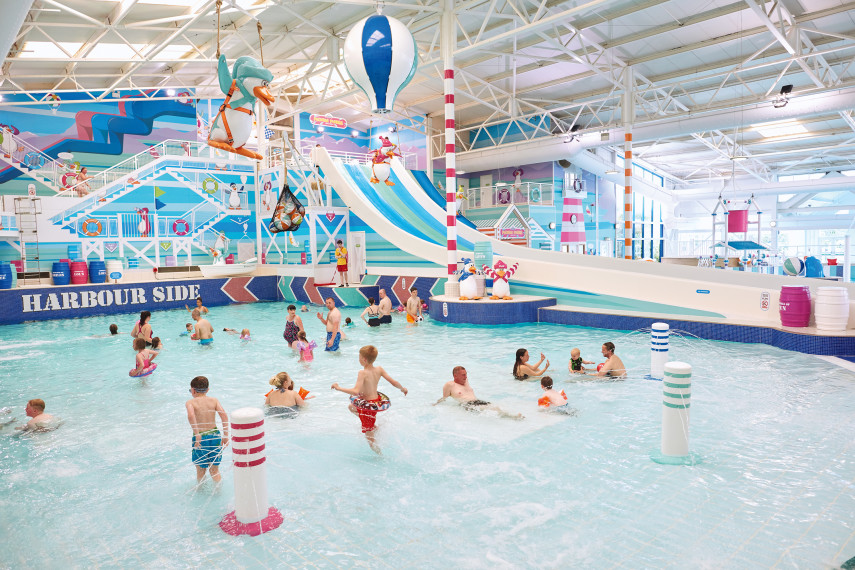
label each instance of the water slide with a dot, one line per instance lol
(405, 216)
(434, 194)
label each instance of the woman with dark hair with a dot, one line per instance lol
(293, 326)
(143, 329)
(523, 370)
(373, 311)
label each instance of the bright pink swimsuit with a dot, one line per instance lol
(306, 350)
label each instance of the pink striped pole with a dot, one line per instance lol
(572, 233)
(252, 515)
(627, 193)
(448, 44)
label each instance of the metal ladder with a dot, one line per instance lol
(27, 209)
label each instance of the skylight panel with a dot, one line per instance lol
(49, 50)
(780, 129)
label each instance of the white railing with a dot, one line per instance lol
(34, 159)
(408, 160)
(501, 194)
(218, 190)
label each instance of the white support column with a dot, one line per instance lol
(448, 45)
(429, 146)
(256, 180)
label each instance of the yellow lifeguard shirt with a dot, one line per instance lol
(341, 255)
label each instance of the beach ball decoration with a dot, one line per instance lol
(381, 57)
(794, 266)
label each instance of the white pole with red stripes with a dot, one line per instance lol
(448, 44)
(628, 112)
(252, 515)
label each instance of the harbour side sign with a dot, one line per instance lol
(88, 298)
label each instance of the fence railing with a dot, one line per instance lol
(501, 194)
(53, 170)
(408, 160)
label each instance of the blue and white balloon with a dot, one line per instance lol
(381, 57)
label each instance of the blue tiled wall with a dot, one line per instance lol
(480, 313)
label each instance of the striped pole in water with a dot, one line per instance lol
(659, 333)
(252, 515)
(676, 395)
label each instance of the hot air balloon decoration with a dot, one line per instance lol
(381, 57)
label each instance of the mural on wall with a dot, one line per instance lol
(96, 135)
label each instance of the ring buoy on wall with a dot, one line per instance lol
(34, 160)
(180, 227)
(504, 195)
(68, 179)
(210, 185)
(86, 226)
(534, 194)
(268, 186)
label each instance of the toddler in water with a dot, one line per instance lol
(156, 344)
(188, 329)
(305, 347)
(576, 362)
(553, 400)
(244, 334)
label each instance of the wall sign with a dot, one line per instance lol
(765, 300)
(328, 121)
(512, 233)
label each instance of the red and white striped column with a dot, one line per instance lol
(572, 230)
(448, 44)
(627, 193)
(252, 515)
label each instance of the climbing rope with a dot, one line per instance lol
(260, 42)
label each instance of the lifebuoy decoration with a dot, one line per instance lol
(34, 160)
(86, 226)
(180, 227)
(210, 185)
(268, 186)
(534, 194)
(504, 195)
(68, 178)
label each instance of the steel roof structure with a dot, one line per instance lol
(698, 81)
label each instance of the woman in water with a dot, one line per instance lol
(525, 371)
(283, 400)
(143, 329)
(373, 312)
(293, 326)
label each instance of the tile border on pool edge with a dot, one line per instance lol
(809, 344)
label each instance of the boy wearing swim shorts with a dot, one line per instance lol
(365, 393)
(207, 443)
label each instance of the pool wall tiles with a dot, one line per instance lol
(484, 313)
(68, 302)
(304, 290)
(825, 345)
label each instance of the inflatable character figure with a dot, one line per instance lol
(500, 275)
(381, 158)
(234, 196)
(466, 278)
(288, 214)
(233, 124)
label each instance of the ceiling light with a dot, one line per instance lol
(611, 172)
(354, 133)
(780, 128)
(170, 92)
(773, 223)
(783, 97)
(460, 172)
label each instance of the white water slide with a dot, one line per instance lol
(406, 217)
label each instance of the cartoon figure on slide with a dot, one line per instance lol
(381, 158)
(232, 126)
(466, 278)
(500, 275)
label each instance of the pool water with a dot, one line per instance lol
(114, 486)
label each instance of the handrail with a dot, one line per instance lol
(502, 194)
(358, 157)
(56, 166)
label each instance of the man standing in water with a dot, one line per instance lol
(613, 366)
(385, 307)
(333, 324)
(460, 390)
(414, 306)
(204, 330)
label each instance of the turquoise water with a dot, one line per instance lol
(114, 486)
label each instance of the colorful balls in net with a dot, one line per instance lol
(794, 266)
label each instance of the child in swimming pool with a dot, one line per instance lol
(207, 446)
(188, 329)
(304, 347)
(143, 358)
(156, 344)
(550, 396)
(244, 334)
(576, 362)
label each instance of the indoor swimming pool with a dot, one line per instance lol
(113, 486)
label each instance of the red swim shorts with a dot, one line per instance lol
(342, 268)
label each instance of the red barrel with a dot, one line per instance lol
(79, 273)
(795, 306)
(737, 221)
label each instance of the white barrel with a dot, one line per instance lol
(452, 289)
(676, 394)
(480, 285)
(831, 310)
(659, 333)
(114, 267)
(249, 457)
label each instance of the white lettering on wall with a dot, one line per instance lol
(87, 299)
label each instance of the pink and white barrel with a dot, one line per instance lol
(572, 224)
(252, 515)
(832, 308)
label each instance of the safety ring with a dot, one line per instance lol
(183, 231)
(534, 195)
(65, 179)
(89, 232)
(504, 195)
(207, 188)
(34, 160)
(267, 186)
